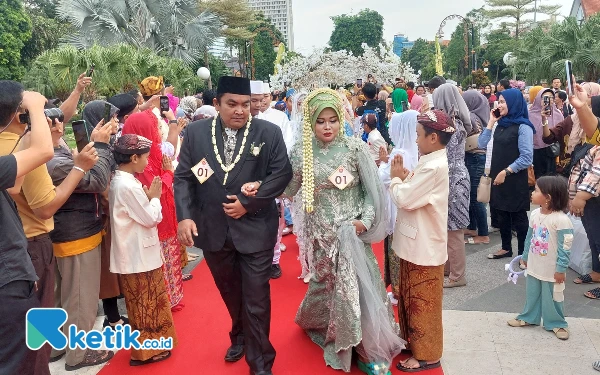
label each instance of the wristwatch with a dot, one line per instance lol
(508, 172)
(172, 122)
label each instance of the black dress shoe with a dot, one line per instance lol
(234, 353)
(261, 373)
(275, 271)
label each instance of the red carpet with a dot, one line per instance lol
(203, 326)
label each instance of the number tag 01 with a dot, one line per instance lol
(202, 171)
(341, 178)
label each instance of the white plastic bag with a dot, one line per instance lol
(581, 254)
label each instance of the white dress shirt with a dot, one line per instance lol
(280, 119)
(421, 232)
(135, 246)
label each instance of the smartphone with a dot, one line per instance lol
(497, 113)
(164, 104)
(82, 135)
(546, 103)
(90, 72)
(404, 106)
(570, 83)
(359, 82)
(107, 117)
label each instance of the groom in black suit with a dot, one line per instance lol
(237, 233)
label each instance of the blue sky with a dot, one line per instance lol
(416, 19)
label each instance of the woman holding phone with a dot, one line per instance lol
(511, 156)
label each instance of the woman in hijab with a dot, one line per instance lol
(187, 107)
(110, 289)
(146, 124)
(448, 99)
(416, 103)
(543, 114)
(475, 162)
(512, 154)
(399, 96)
(403, 131)
(346, 307)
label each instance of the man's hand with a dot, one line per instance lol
(82, 83)
(559, 277)
(185, 230)
(250, 189)
(167, 164)
(383, 155)
(234, 210)
(155, 189)
(397, 169)
(87, 158)
(577, 206)
(102, 132)
(500, 178)
(33, 101)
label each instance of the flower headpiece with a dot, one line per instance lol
(313, 105)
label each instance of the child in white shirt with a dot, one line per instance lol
(136, 256)
(546, 255)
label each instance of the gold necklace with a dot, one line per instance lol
(229, 168)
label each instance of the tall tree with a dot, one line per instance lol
(174, 28)
(266, 38)
(46, 32)
(499, 42)
(351, 31)
(517, 11)
(15, 31)
(236, 16)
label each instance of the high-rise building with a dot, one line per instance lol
(281, 16)
(220, 50)
(400, 42)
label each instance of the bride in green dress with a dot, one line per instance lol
(344, 210)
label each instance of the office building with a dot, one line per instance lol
(401, 42)
(281, 16)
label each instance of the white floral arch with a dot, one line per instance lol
(340, 68)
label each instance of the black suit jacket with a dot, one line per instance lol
(203, 203)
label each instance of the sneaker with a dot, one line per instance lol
(275, 271)
(107, 323)
(453, 284)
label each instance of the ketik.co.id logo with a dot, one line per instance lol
(44, 325)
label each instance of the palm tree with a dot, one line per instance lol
(542, 54)
(173, 28)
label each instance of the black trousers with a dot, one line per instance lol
(591, 223)
(243, 281)
(543, 163)
(16, 298)
(507, 221)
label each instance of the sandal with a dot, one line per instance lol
(518, 323)
(92, 358)
(374, 368)
(471, 241)
(561, 333)
(584, 279)
(596, 365)
(187, 277)
(593, 294)
(508, 254)
(423, 366)
(165, 355)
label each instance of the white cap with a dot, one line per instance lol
(267, 88)
(256, 87)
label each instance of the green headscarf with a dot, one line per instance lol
(323, 98)
(398, 96)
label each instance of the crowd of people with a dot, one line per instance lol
(233, 170)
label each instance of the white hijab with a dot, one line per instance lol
(403, 132)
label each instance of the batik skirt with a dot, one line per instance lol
(420, 309)
(171, 250)
(148, 309)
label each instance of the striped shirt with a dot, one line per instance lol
(586, 174)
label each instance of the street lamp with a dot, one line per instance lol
(204, 74)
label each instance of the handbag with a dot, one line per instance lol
(472, 141)
(484, 190)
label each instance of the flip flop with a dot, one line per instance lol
(471, 241)
(423, 366)
(187, 277)
(134, 362)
